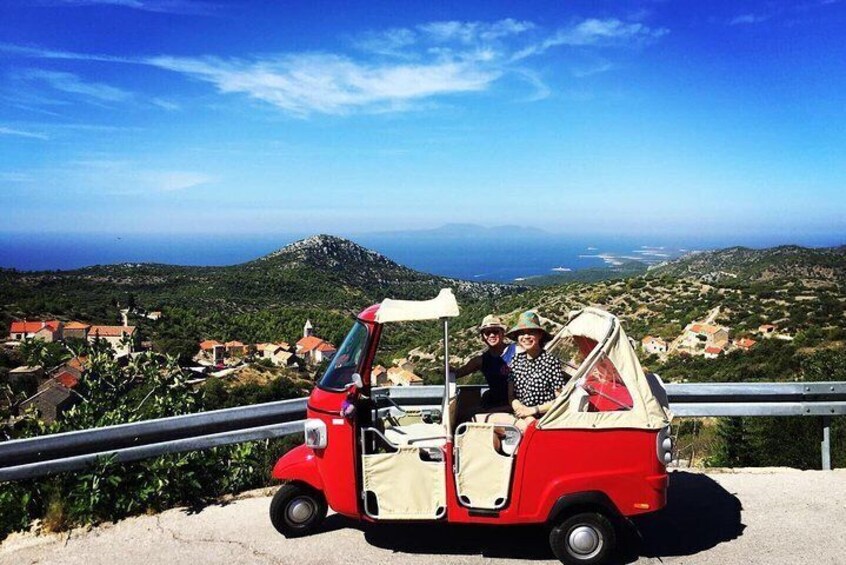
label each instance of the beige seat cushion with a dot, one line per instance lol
(417, 435)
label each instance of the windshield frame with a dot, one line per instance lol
(354, 342)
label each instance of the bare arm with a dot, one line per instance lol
(473, 365)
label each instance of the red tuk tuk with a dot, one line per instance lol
(597, 456)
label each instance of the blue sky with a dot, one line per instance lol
(661, 117)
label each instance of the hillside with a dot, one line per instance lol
(321, 271)
(322, 278)
(801, 291)
(742, 264)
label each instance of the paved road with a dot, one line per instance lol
(748, 516)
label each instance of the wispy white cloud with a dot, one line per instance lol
(403, 69)
(474, 32)
(22, 133)
(747, 19)
(595, 33)
(186, 7)
(170, 181)
(331, 84)
(595, 69)
(166, 104)
(73, 84)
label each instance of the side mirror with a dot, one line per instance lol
(356, 381)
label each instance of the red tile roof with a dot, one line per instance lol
(309, 343)
(326, 347)
(714, 350)
(746, 343)
(111, 331)
(76, 326)
(209, 344)
(32, 327)
(234, 343)
(67, 380)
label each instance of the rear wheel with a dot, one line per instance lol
(297, 510)
(587, 538)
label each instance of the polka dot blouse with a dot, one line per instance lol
(537, 381)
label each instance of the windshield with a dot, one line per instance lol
(347, 360)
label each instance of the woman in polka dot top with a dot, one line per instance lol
(536, 376)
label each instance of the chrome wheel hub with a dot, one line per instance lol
(584, 542)
(300, 510)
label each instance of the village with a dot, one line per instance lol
(52, 389)
(707, 339)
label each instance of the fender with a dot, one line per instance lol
(587, 499)
(299, 464)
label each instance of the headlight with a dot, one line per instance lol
(315, 433)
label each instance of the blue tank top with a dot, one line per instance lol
(497, 371)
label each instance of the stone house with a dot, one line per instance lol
(712, 352)
(745, 343)
(48, 330)
(403, 377)
(654, 345)
(214, 350)
(52, 400)
(120, 338)
(698, 336)
(77, 330)
(379, 376)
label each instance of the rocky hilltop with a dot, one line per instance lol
(358, 267)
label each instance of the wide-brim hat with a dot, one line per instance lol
(528, 321)
(492, 322)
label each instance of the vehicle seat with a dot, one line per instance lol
(420, 434)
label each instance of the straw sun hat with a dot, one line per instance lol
(492, 322)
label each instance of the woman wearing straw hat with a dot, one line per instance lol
(536, 375)
(493, 363)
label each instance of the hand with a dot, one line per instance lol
(524, 411)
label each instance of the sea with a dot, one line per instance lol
(467, 252)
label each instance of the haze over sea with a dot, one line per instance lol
(470, 252)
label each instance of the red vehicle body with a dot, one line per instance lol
(556, 473)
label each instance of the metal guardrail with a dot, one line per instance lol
(70, 451)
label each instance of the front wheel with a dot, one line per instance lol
(297, 510)
(583, 539)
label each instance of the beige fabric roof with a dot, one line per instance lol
(649, 410)
(442, 306)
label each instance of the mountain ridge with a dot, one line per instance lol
(745, 264)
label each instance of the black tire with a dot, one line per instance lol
(586, 538)
(297, 510)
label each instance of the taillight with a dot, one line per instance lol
(315, 433)
(664, 446)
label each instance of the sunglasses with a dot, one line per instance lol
(488, 333)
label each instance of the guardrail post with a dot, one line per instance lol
(825, 445)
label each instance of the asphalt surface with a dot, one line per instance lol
(747, 516)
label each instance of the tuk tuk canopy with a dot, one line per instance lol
(609, 389)
(443, 305)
